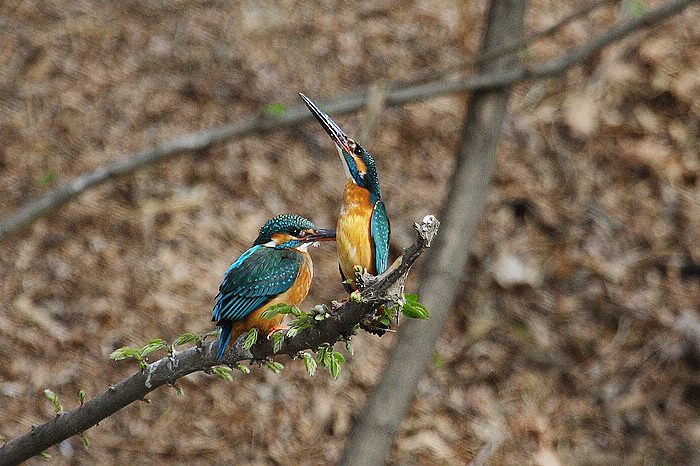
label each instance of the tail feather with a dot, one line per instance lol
(224, 339)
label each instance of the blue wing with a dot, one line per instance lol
(380, 235)
(259, 275)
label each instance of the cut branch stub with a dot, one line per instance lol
(389, 286)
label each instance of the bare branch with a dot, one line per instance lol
(346, 104)
(489, 55)
(378, 425)
(340, 325)
(582, 10)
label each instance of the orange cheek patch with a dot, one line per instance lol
(361, 167)
(280, 238)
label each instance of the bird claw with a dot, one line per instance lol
(276, 328)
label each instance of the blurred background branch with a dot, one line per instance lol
(394, 97)
(442, 277)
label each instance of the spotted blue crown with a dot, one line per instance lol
(287, 223)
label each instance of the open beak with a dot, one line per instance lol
(333, 130)
(321, 235)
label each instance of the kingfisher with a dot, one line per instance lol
(277, 269)
(363, 225)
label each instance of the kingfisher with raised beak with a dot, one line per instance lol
(277, 269)
(363, 225)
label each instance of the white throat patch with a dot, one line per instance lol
(342, 160)
(305, 246)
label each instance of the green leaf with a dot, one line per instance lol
(385, 321)
(270, 312)
(86, 442)
(46, 456)
(413, 309)
(389, 311)
(278, 342)
(243, 369)
(349, 348)
(355, 296)
(334, 368)
(275, 109)
(211, 334)
(301, 322)
(280, 308)
(324, 354)
(438, 360)
(151, 346)
(223, 372)
(185, 338)
(310, 363)
(338, 357)
(179, 390)
(125, 352)
(275, 366)
(54, 399)
(46, 179)
(251, 339)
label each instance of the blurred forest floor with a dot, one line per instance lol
(577, 340)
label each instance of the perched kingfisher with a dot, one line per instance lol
(277, 269)
(363, 225)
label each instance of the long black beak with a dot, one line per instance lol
(329, 125)
(321, 235)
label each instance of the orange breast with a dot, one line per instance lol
(353, 238)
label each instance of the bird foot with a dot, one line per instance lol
(276, 328)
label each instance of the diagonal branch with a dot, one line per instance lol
(498, 52)
(489, 55)
(338, 326)
(346, 104)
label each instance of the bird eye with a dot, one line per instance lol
(294, 231)
(357, 149)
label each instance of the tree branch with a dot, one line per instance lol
(339, 325)
(490, 55)
(346, 104)
(377, 427)
(498, 52)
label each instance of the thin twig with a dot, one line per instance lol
(579, 12)
(338, 325)
(342, 105)
(512, 47)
